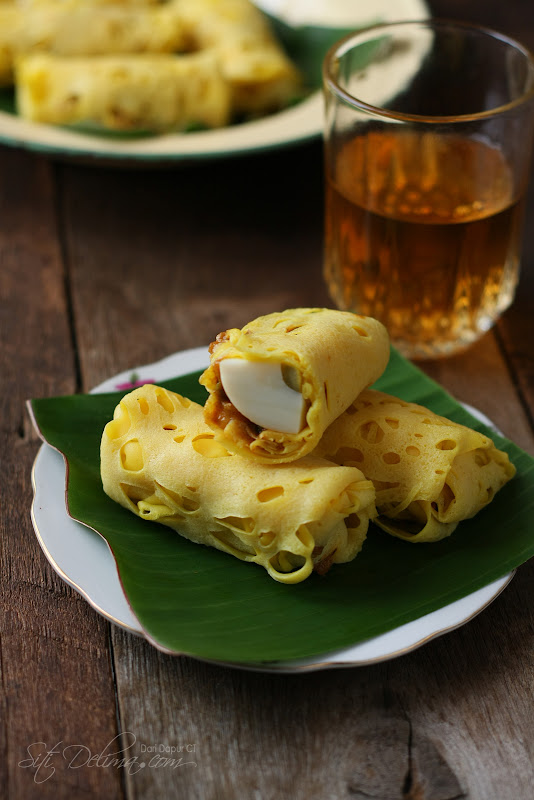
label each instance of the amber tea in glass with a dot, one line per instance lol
(428, 136)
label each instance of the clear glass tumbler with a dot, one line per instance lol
(428, 138)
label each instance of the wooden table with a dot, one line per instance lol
(103, 269)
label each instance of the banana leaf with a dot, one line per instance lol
(196, 600)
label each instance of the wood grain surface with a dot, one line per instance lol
(103, 269)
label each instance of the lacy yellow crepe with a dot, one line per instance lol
(290, 375)
(261, 76)
(77, 28)
(429, 473)
(152, 92)
(160, 461)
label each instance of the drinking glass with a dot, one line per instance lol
(428, 137)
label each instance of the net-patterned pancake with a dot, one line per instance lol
(326, 357)
(429, 473)
(154, 92)
(75, 36)
(161, 461)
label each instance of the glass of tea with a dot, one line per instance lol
(428, 137)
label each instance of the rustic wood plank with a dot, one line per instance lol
(161, 264)
(57, 682)
(458, 693)
(473, 377)
(441, 719)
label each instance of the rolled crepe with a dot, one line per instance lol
(160, 461)
(429, 473)
(10, 21)
(261, 76)
(327, 357)
(152, 92)
(124, 3)
(74, 28)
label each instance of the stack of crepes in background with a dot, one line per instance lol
(141, 64)
(293, 455)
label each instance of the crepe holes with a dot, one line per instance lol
(382, 486)
(446, 497)
(206, 446)
(285, 561)
(120, 424)
(349, 454)
(134, 493)
(303, 535)
(131, 456)
(165, 401)
(241, 524)
(267, 538)
(189, 504)
(371, 432)
(446, 444)
(143, 405)
(353, 522)
(360, 331)
(271, 493)
(186, 504)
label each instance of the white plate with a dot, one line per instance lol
(297, 124)
(83, 559)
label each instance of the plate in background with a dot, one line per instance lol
(298, 123)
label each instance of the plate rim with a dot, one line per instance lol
(193, 359)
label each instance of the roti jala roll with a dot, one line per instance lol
(261, 76)
(161, 461)
(276, 384)
(77, 28)
(429, 473)
(147, 92)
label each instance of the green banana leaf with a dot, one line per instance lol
(199, 601)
